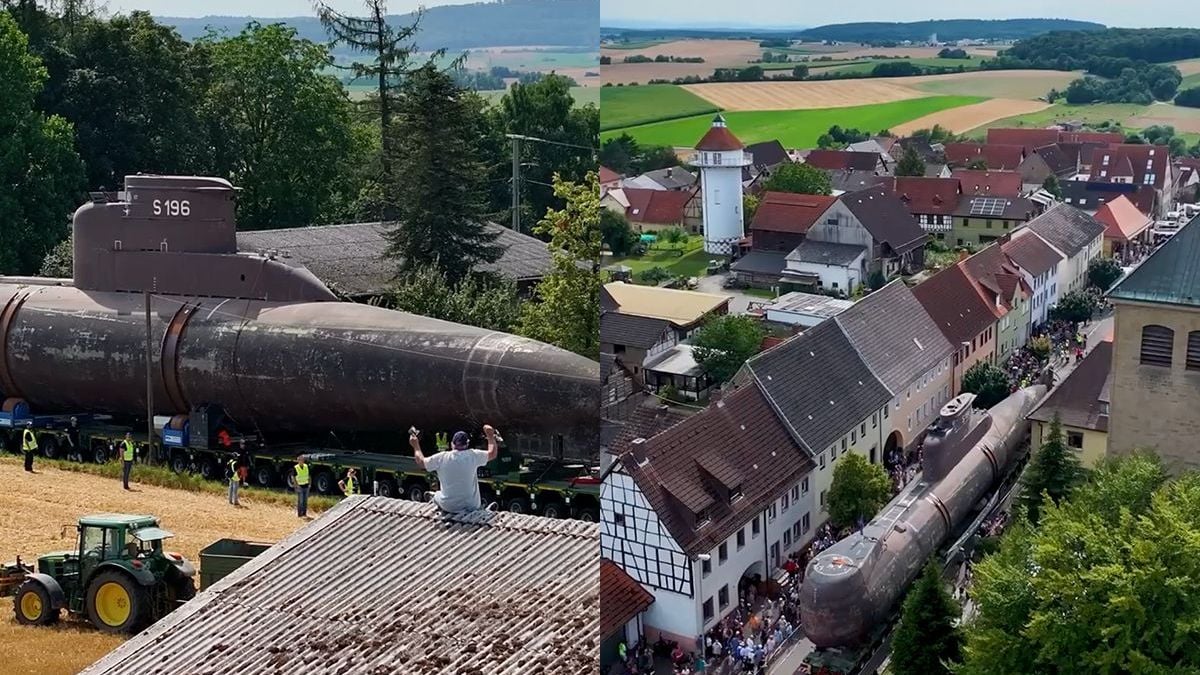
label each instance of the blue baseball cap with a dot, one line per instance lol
(461, 440)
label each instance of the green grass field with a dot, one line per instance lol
(524, 59)
(1190, 81)
(867, 65)
(690, 264)
(793, 128)
(628, 106)
(635, 45)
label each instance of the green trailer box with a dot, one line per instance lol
(219, 559)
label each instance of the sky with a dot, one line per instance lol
(790, 13)
(258, 8)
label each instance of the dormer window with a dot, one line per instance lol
(735, 493)
(703, 518)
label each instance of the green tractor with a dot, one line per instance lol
(118, 576)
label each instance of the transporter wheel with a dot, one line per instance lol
(388, 488)
(264, 475)
(180, 462)
(589, 514)
(553, 509)
(208, 468)
(324, 482)
(415, 490)
(32, 605)
(101, 452)
(516, 505)
(48, 445)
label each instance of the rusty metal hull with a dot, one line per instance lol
(851, 586)
(302, 367)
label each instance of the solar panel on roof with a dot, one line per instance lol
(988, 206)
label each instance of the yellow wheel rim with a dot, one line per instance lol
(113, 604)
(31, 606)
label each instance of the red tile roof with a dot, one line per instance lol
(1139, 161)
(719, 138)
(1032, 254)
(621, 598)
(1090, 137)
(999, 278)
(957, 304)
(842, 160)
(787, 212)
(657, 207)
(1122, 220)
(998, 183)
(607, 175)
(997, 157)
(1026, 138)
(928, 195)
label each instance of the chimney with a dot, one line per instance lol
(962, 254)
(668, 172)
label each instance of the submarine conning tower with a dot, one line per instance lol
(177, 235)
(957, 429)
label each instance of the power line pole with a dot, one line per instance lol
(516, 181)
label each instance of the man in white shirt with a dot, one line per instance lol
(457, 469)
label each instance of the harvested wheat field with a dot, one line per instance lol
(33, 510)
(803, 95)
(857, 52)
(1185, 120)
(1188, 67)
(716, 53)
(967, 117)
(1028, 84)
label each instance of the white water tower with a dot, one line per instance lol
(721, 157)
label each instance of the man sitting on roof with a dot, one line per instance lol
(457, 470)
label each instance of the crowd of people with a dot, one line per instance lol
(902, 468)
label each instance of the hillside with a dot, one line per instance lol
(947, 30)
(570, 23)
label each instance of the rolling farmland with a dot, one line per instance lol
(630, 106)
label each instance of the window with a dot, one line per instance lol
(706, 567)
(853, 436)
(835, 285)
(1156, 345)
(722, 553)
(619, 518)
(741, 538)
(804, 485)
(797, 532)
(843, 444)
(772, 511)
(966, 223)
(796, 492)
(723, 596)
(987, 224)
(786, 502)
(754, 527)
(875, 420)
(862, 428)
(1192, 362)
(823, 493)
(787, 538)
(885, 412)
(805, 523)
(735, 493)
(708, 610)
(1075, 440)
(821, 459)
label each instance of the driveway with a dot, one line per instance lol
(715, 284)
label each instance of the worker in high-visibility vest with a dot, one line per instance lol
(349, 485)
(29, 446)
(301, 487)
(235, 480)
(127, 448)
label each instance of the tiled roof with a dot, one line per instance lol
(607, 175)
(621, 598)
(645, 421)
(988, 183)
(640, 332)
(1100, 137)
(1091, 195)
(895, 336)
(1026, 138)
(887, 218)
(760, 262)
(787, 212)
(992, 270)
(1122, 220)
(1171, 275)
(671, 178)
(1060, 161)
(680, 307)
(656, 207)
(768, 153)
(956, 304)
(1032, 254)
(1015, 208)
(719, 138)
(819, 384)
(995, 157)
(851, 181)
(1134, 160)
(1066, 228)
(1077, 400)
(841, 160)
(689, 472)
(826, 253)
(928, 195)
(350, 258)
(378, 585)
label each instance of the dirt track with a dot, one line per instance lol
(967, 117)
(33, 509)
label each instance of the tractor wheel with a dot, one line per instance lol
(388, 488)
(49, 446)
(415, 490)
(264, 475)
(185, 590)
(32, 605)
(324, 482)
(553, 509)
(516, 505)
(116, 603)
(208, 468)
(180, 462)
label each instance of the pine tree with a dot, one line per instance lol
(1054, 470)
(926, 638)
(910, 164)
(440, 185)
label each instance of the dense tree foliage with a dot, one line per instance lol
(910, 163)
(878, 32)
(927, 638)
(837, 137)
(1105, 584)
(859, 489)
(627, 157)
(724, 343)
(1189, 98)
(988, 382)
(1103, 272)
(799, 179)
(616, 234)
(1053, 472)
(949, 53)
(895, 69)
(1074, 307)
(477, 300)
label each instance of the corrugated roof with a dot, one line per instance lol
(1077, 400)
(350, 258)
(621, 598)
(761, 262)
(379, 585)
(680, 307)
(1066, 228)
(630, 330)
(1171, 275)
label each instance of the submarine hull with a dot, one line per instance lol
(853, 585)
(282, 366)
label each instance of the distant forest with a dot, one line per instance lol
(876, 32)
(569, 23)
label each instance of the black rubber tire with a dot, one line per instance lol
(100, 453)
(516, 504)
(185, 590)
(48, 615)
(589, 514)
(180, 462)
(388, 488)
(554, 509)
(264, 475)
(139, 613)
(414, 490)
(48, 446)
(324, 483)
(208, 468)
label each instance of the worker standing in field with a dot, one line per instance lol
(29, 446)
(243, 462)
(126, 459)
(349, 484)
(301, 487)
(457, 469)
(235, 481)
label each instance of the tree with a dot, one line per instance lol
(799, 179)
(749, 206)
(616, 233)
(1102, 273)
(280, 127)
(800, 72)
(60, 261)
(927, 637)
(41, 177)
(1051, 185)
(1074, 307)
(1189, 98)
(1053, 472)
(876, 280)
(910, 163)
(1105, 583)
(724, 343)
(563, 312)
(475, 301)
(859, 489)
(977, 164)
(619, 153)
(988, 382)
(439, 188)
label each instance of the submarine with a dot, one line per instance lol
(265, 340)
(852, 585)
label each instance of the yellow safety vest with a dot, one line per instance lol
(301, 474)
(29, 442)
(128, 451)
(233, 467)
(351, 486)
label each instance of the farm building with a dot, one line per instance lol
(380, 586)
